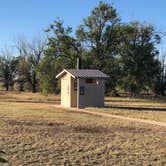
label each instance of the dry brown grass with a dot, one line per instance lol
(27, 97)
(135, 108)
(38, 134)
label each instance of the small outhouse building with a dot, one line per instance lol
(82, 88)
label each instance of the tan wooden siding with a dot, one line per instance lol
(66, 90)
(93, 93)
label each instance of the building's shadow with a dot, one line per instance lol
(123, 101)
(136, 108)
(31, 101)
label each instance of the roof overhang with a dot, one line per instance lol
(63, 72)
(82, 75)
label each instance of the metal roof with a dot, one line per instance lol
(83, 73)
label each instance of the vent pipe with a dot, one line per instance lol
(78, 63)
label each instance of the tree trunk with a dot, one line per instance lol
(34, 83)
(34, 88)
(21, 87)
(163, 92)
(7, 87)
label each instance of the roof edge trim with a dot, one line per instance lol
(62, 73)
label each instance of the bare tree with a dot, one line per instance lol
(30, 54)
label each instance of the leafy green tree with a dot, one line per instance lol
(99, 34)
(160, 82)
(62, 52)
(23, 72)
(138, 57)
(47, 71)
(8, 69)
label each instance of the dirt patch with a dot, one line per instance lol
(109, 130)
(32, 123)
(133, 130)
(91, 129)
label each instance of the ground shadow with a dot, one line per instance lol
(124, 101)
(31, 101)
(136, 108)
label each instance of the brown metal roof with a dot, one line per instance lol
(83, 73)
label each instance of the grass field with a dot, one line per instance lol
(32, 132)
(135, 108)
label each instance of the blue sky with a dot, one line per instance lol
(31, 17)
